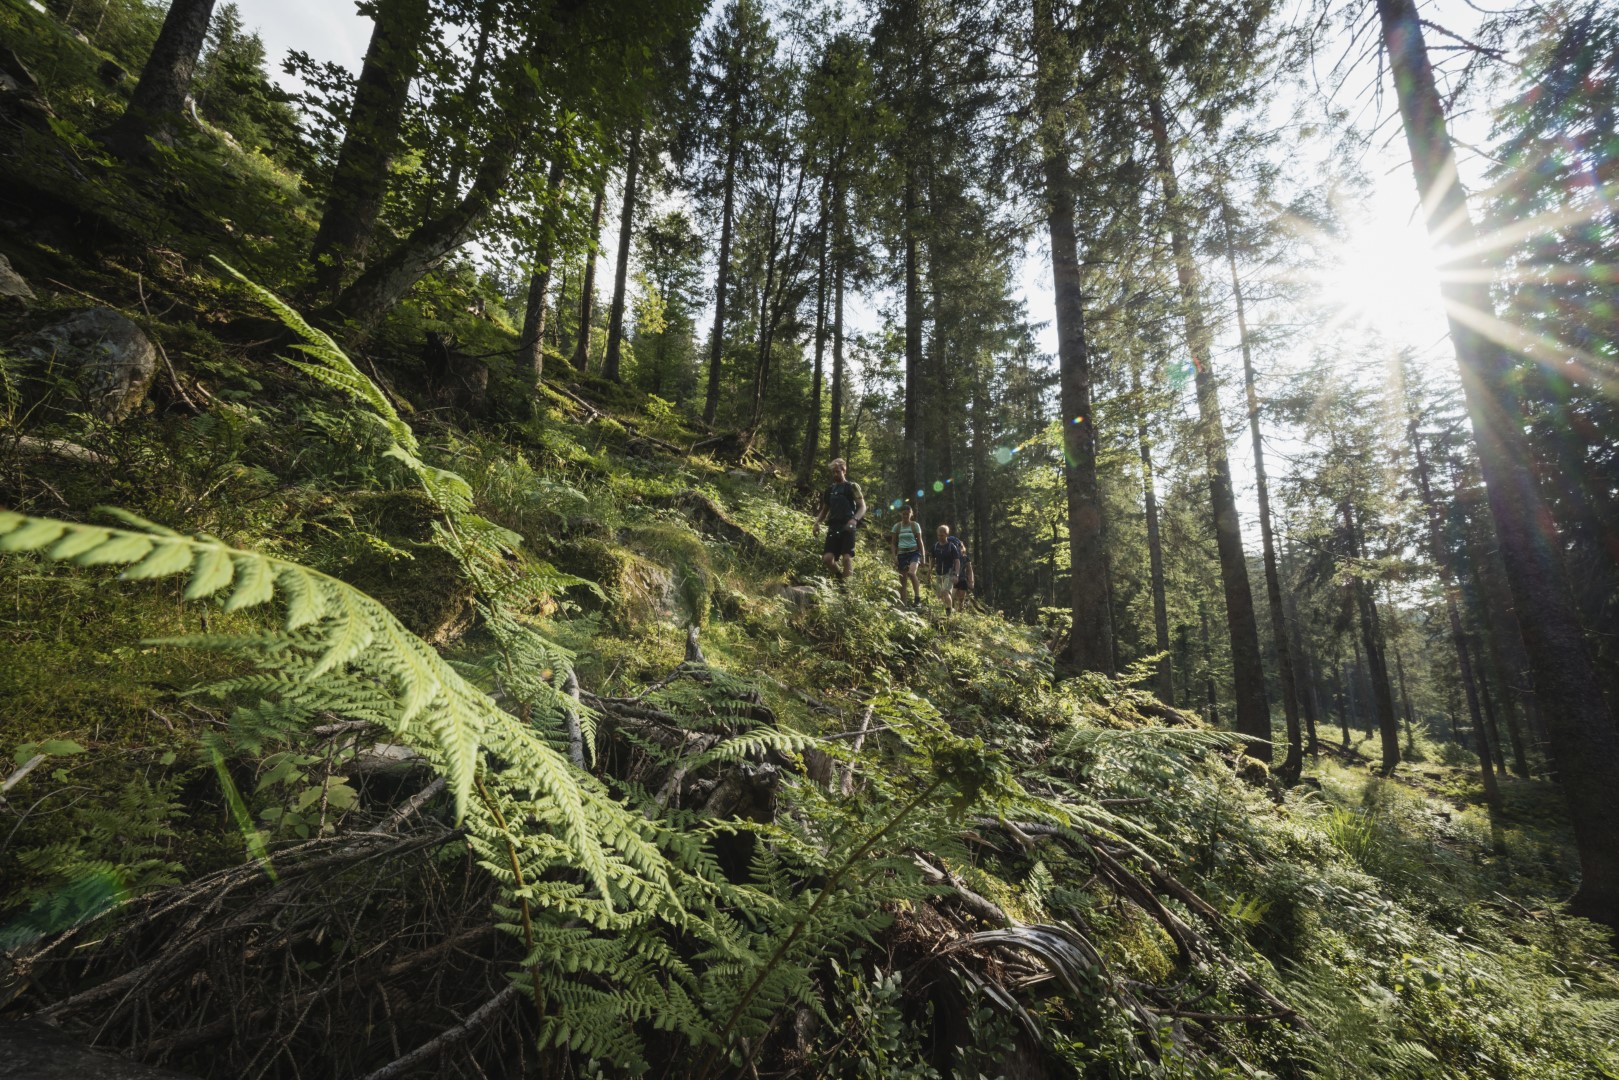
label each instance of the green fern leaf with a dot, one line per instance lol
(213, 571)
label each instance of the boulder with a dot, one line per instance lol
(107, 358)
(11, 283)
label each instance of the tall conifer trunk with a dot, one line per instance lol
(716, 348)
(531, 344)
(1293, 763)
(834, 425)
(1447, 581)
(1371, 635)
(912, 466)
(587, 286)
(621, 271)
(1582, 737)
(812, 426)
(1248, 674)
(360, 179)
(1090, 642)
(1165, 680)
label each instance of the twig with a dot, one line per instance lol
(433, 1047)
(570, 717)
(174, 380)
(21, 771)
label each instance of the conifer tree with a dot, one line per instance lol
(160, 95)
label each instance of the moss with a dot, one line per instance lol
(638, 589)
(425, 590)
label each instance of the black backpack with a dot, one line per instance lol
(840, 503)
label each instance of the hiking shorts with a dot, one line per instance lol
(907, 559)
(839, 540)
(942, 584)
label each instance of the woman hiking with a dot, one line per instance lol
(905, 539)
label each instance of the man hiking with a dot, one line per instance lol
(905, 539)
(843, 507)
(949, 567)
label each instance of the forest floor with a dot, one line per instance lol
(272, 880)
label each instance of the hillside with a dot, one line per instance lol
(373, 712)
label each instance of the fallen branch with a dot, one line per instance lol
(434, 1047)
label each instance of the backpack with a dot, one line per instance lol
(840, 503)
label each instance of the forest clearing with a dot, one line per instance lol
(883, 538)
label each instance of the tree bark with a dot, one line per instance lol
(835, 415)
(1090, 642)
(360, 180)
(733, 152)
(621, 273)
(160, 95)
(1155, 547)
(1248, 674)
(1293, 764)
(1208, 665)
(1582, 737)
(812, 427)
(1458, 638)
(531, 347)
(912, 466)
(587, 288)
(983, 555)
(1371, 633)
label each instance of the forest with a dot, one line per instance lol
(417, 656)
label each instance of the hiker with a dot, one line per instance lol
(843, 508)
(905, 538)
(948, 559)
(964, 578)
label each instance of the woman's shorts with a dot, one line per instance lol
(908, 559)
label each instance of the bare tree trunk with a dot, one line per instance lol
(1208, 665)
(360, 180)
(1293, 764)
(621, 272)
(1247, 669)
(812, 428)
(1447, 582)
(160, 96)
(1371, 632)
(911, 467)
(834, 426)
(723, 271)
(1583, 740)
(1155, 546)
(587, 287)
(983, 557)
(531, 345)
(1090, 643)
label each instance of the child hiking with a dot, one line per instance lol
(950, 568)
(843, 507)
(905, 538)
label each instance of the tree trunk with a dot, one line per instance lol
(1584, 741)
(621, 273)
(1208, 665)
(1155, 547)
(1491, 722)
(1447, 582)
(1090, 642)
(487, 13)
(1248, 674)
(1371, 632)
(531, 345)
(835, 416)
(160, 96)
(1293, 763)
(1500, 623)
(723, 272)
(912, 465)
(587, 288)
(360, 180)
(1343, 692)
(1306, 680)
(983, 556)
(812, 427)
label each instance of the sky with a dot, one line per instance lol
(1385, 273)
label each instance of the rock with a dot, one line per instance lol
(35, 1051)
(108, 358)
(12, 284)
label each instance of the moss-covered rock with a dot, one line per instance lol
(421, 584)
(638, 590)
